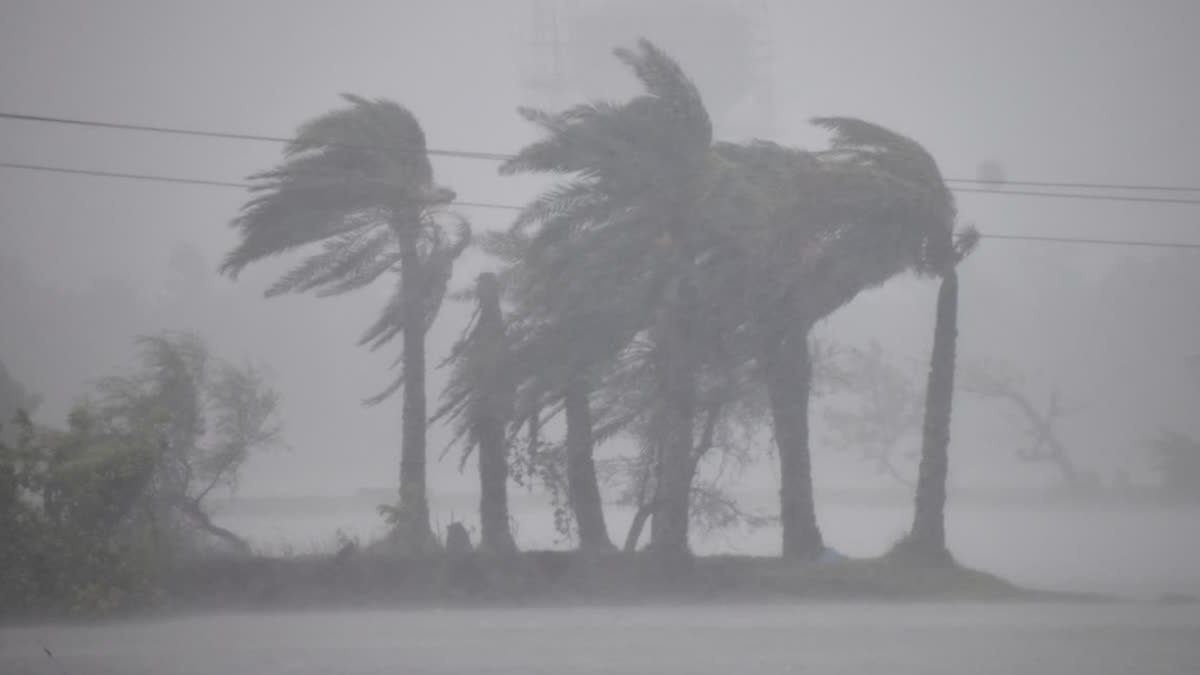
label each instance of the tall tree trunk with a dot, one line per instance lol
(677, 383)
(669, 527)
(640, 517)
(413, 529)
(490, 410)
(495, 535)
(582, 485)
(928, 537)
(789, 386)
(191, 509)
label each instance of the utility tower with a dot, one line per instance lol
(549, 80)
(546, 77)
(762, 90)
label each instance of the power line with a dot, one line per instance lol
(1063, 195)
(511, 207)
(176, 131)
(187, 181)
(127, 176)
(1099, 242)
(500, 157)
(1082, 186)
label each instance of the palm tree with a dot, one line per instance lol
(559, 352)
(557, 377)
(15, 400)
(479, 400)
(927, 540)
(359, 181)
(1177, 459)
(635, 215)
(828, 226)
(1177, 455)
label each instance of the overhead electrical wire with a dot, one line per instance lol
(499, 157)
(1073, 185)
(1098, 242)
(176, 131)
(158, 178)
(1063, 195)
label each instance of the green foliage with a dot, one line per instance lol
(71, 545)
(348, 172)
(99, 510)
(15, 400)
(1176, 455)
(1177, 458)
(876, 407)
(358, 181)
(670, 271)
(480, 388)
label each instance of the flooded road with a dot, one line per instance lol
(822, 639)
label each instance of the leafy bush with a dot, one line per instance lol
(96, 514)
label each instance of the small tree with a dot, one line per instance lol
(883, 411)
(479, 401)
(15, 400)
(92, 513)
(206, 418)
(1177, 458)
(73, 540)
(991, 381)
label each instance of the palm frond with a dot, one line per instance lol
(390, 321)
(665, 80)
(348, 261)
(346, 169)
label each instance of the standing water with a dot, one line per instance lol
(823, 639)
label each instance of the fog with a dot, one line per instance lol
(1101, 96)
(1100, 93)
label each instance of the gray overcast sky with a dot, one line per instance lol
(1056, 90)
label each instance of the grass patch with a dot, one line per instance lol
(366, 579)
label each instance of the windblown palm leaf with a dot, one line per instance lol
(901, 181)
(359, 180)
(353, 168)
(617, 248)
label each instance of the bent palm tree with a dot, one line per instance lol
(829, 226)
(634, 215)
(359, 181)
(928, 537)
(479, 400)
(561, 353)
(921, 210)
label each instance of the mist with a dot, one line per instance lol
(1062, 131)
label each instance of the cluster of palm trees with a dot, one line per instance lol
(664, 285)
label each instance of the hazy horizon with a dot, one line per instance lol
(1048, 91)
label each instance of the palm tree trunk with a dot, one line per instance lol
(675, 466)
(789, 386)
(640, 517)
(413, 530)
(495, 535)
(928, 536)
(669, 527)
(490, 411)
(582, 486)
